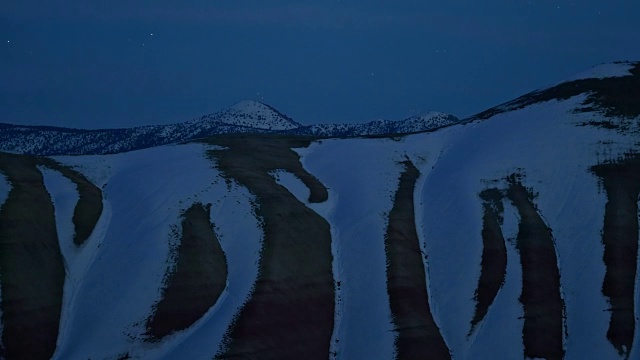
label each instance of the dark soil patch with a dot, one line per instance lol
(290, 314)
(621, 181)
(198, 279)
(89, 206)
(418, 336)
(31, 265)
(616, 96)
(493, 267)
(259, 154)
(541, 299)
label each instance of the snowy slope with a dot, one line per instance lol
(602, 71)
(571, 204)
(542, 141)
(115, 278)
(364, 328)
(131, 244)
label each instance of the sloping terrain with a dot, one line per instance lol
(515, 232)
(31, 265)
(494, 253)
(541, 298)
(244, 117)
(417, 333)
(197, 280)
(290, 313)
(621, 180)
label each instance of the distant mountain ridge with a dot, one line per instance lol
(423, 122)
(610, 88)
(247, 116)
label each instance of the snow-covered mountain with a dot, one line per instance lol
(512, 234)
(254, 114)
(244, 117)
(424, 122)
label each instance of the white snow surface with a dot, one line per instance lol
(116, 277)
(114, 293)
(362, 178)
(358, 220)
(541, 142)
(602, 71)
(257, 115)
(295, 186)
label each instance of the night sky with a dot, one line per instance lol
(97, 64)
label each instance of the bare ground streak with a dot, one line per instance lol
(418, 336)
(89, 206)
(541, 299)
(199, 277)
(290, 313)
(31, 265)
(494, 254)
(621, 181)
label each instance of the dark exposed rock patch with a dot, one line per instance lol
(198, 279)
(494, 254)
(621, 180)
(540, 297)
(418, 336)
(31, 265)
(290, 313)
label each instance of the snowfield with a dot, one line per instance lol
(568, 199)
(111, 299)
(116, 277)
(358, 213)
(602, 71)
(543, 143)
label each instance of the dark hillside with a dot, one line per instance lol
(621, 180)
(195, 283)
(290, 314)
(541, 298)
(418, 334)
(31, 265)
